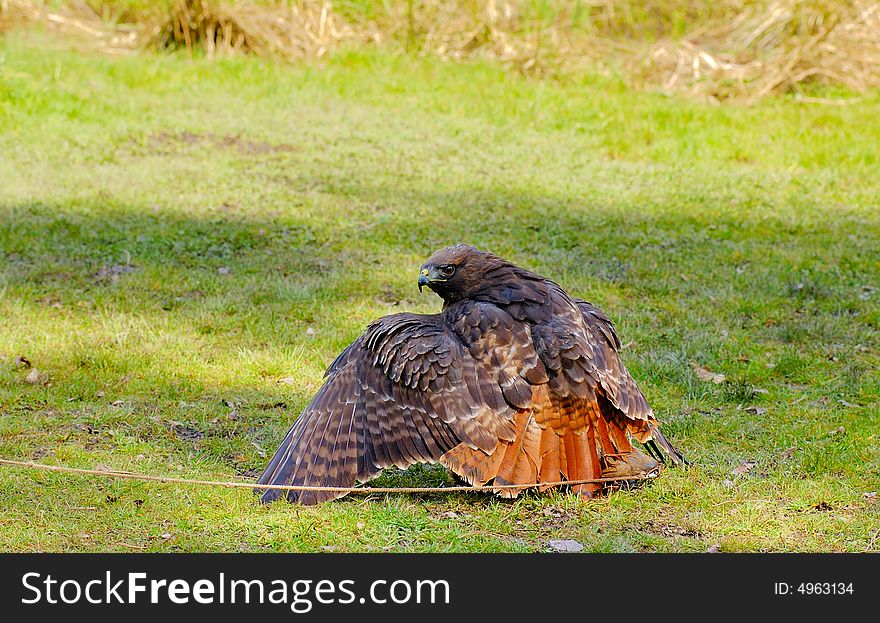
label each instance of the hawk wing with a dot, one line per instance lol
(622, 403)
(615, 381)
(409, 390)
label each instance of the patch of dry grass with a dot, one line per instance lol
(729, 49)
(769, 48)
(291, 30)
(74, 18)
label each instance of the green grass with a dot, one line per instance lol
(741, 239)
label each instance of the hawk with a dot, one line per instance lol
(514, 382)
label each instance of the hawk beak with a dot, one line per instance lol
(424, 278)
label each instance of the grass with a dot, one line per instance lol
(723, 50)
(177, 236)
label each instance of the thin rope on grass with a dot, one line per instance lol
(249, 485)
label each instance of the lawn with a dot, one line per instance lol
(186, 244)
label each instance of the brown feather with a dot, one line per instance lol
(514, 381)
(474, 465)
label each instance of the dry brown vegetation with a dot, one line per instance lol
(728, 49)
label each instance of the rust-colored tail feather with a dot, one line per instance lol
(580, 460)
(612, 437)
(520, 462)
(549, 452)
(535, 456)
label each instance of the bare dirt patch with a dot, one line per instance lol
(169, 142)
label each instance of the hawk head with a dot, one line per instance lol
(456, 272)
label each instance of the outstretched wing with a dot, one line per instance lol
(408, 390)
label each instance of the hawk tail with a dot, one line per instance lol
(533, 457)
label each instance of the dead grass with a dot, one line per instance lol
(729, 49)
(74, 18)
(771, 48)
(291, 30)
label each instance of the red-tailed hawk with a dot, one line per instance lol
(513, 382)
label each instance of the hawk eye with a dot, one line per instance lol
(447, 270)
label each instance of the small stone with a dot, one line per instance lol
(565, 545)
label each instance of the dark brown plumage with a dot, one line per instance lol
(513, 382)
